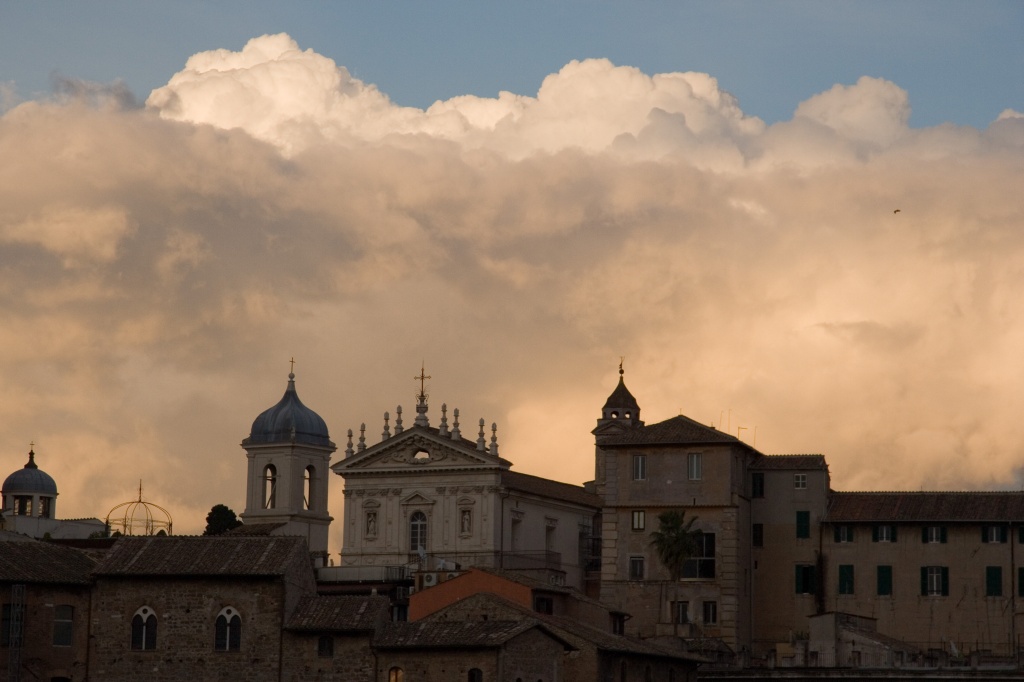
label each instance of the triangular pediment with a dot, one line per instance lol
(419, 449)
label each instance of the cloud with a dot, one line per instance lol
(162, 264)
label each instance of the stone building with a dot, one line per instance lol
(427, 499)
(44, 596)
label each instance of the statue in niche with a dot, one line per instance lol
(371, 524)
(467, 521)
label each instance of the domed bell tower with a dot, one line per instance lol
(289, 451)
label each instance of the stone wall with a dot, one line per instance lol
(352, 659)
(40, 658)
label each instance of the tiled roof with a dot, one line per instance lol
(449, 633)
(201, 556)
(675, 431)
(925, 506)
(42, 562)
(789, 462)
(544, 487)
(252, 529)
(360, 613)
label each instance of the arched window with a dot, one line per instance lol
(269, 486)
(144, 629)
(309, 487)
(396, 675)
(417, 531)
(228, 630)
(476, 675)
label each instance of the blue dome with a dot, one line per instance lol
(29, 480)
(289, 422)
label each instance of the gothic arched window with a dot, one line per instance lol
(144, 629)
(228, 630)
(417, 531)
(269, 486)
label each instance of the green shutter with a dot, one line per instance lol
(849, 533)
(924, 581)
(1020, 582)
(884, 580)
(846, 579)
(1002, 533)
(945, 579)
(924, 534)
(835, 530)
(984, 534)
(942, 535)
(893, 528)
(993, 581)
(874, 533)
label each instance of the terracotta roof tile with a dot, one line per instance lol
(184, 556)
(789, 462)
(925, 506)
(544, 487)
(340, 613)
(449, 633)
(675, 431)
(42, 562)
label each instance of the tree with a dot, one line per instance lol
(221, 519)
(675, 540)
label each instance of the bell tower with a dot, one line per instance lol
(289, 451)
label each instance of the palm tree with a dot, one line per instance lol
(675, 540)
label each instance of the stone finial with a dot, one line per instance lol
(481, 443)
(398, 420)
(456, 434)
(386, 433)
(494, 438)
(442, 428)
(362, 437)
(348, 449)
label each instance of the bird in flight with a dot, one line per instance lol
(896, 211)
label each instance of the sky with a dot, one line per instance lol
(799, 222)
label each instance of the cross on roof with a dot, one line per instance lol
(423, 378)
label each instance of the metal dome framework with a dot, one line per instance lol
(137, 518)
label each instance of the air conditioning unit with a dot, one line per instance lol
(429, 579)
(449, 576)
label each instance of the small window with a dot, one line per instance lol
(845, 578)
(693, 466)
(993, 581)
(993, 534)
(800, 481)
(308, 487)
(1020, 581)
(228, 630)
(475, 675)
(806, 582)
(144, 630)
(680, 612)
(884, 581)
(325, 646)
(618, 624)
(757, 484)
(396, 674)
(636, 568)
(545, 605)
(757, 535)
(710, 613)
(935, 581)
(639, 467)
(843, 534)
(934, 534)
(883, 534)
(639, 519)
(803, 524)
(63, 625)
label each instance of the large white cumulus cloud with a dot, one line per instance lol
(161, 265)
